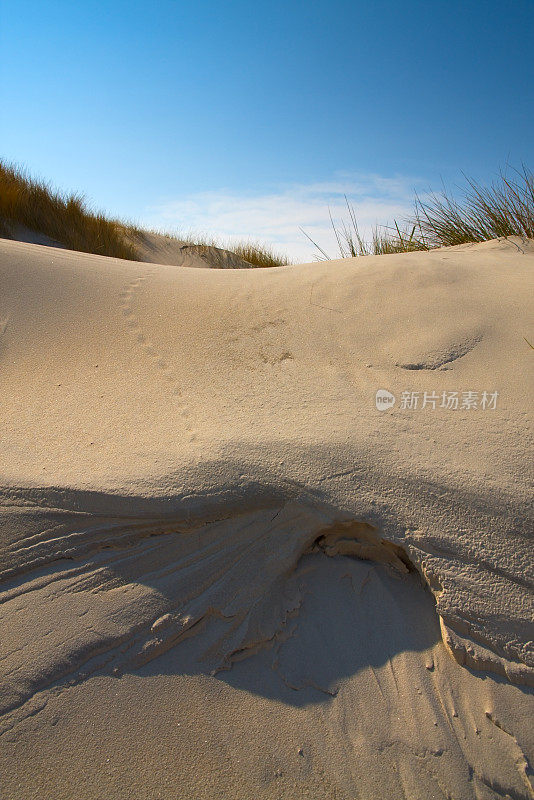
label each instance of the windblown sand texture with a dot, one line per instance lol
(223, 572)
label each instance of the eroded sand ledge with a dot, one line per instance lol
(200, 492)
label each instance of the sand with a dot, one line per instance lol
(224, 573)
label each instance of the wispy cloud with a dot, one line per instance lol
(276, 217)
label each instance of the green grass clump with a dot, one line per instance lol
(63, 217)
(481, 213)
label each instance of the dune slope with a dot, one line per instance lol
(223, 571)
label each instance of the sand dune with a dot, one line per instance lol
(161, 249)
(224, 573)
(152, 248)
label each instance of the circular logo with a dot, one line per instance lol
(384, 400)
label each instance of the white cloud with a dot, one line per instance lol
(277, 217)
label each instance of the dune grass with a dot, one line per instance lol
(63, 217)
(258, 254)
(67, 219)
(384, 241)
(479, 213)
(505, 208)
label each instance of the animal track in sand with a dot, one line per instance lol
(143, 341)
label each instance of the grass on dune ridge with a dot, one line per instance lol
(67, 219)
(480, 213)
(63, 217)
(258, 254)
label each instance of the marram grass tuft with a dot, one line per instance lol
(479, 213)
(65, 218)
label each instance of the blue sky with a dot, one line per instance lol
(251, 118)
